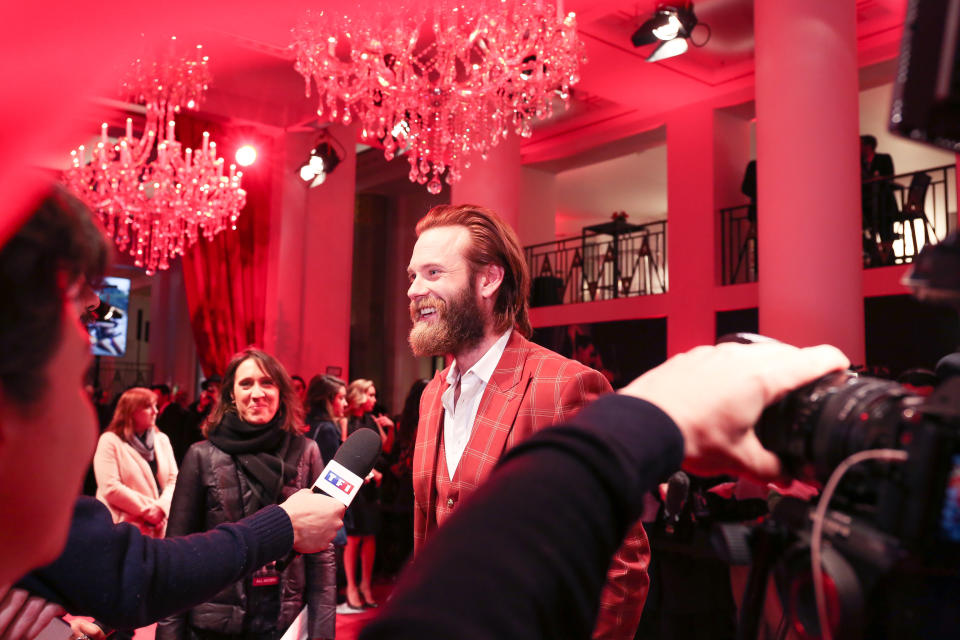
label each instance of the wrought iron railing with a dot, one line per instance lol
(900, 215)
(114, 377)
(925, 211)
(738, 241)
(599, 266)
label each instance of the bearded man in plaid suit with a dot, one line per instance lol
(469, 286)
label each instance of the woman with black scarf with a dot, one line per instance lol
(254, 455)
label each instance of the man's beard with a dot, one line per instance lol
(459, 324)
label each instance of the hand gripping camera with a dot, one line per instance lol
(890, 561)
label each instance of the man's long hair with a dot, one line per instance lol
(492, 241)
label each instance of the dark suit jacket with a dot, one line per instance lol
(879, 202)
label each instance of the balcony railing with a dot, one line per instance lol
(738, 239)
(926, 209)
(901, 215)
(608, 261)
(116, 377)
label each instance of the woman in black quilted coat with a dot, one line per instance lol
(254, 455)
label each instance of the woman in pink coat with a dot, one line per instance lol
(134, 464)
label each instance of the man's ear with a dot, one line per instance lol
(489, 280)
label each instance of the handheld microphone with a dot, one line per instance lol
(678, 488)
(342, 477)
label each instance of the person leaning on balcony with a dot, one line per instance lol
(749, 188)
(878, 201)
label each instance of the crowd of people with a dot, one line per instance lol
(228, 541)
(149, 473)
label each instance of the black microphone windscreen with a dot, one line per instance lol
(678, 487)
(360, 451)
(343, 476)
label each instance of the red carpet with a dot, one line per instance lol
(348, 627)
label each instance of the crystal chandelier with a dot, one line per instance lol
(153, 197)
(443, 81)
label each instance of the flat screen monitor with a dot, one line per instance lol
(926, 95)
(108, 333)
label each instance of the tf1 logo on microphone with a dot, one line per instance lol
(339, 482)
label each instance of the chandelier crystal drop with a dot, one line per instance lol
(155, 198)
(440, 82)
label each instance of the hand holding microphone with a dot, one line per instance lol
(315, 518)
(317, 514)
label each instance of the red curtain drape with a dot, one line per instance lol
(226, 277)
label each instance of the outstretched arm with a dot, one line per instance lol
(625, 591)
(538, 534)
(127, 580)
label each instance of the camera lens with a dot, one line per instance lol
(812, 429)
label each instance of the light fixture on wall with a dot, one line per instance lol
(321, 162)
(671, 27)
(246, 155)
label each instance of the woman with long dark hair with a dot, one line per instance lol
(326, 402)
(134, 464)
(326, 408)
(363, 516)
(254, 456)
(395, 542)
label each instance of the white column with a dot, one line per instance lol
(808, 173)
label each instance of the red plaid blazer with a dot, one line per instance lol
(530, 389)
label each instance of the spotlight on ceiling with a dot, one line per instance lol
(246, 155)
(323, 159)
(671, 27)
(668, 49)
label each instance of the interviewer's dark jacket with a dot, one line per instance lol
(211, 491)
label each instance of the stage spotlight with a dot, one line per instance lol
(323, 159)
(246, 155)
(671, 27)
(668, 49)
(645, 34)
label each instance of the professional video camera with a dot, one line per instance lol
(890, 519)
(890, 562)
(892, 556)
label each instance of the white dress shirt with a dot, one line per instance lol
(458, 418)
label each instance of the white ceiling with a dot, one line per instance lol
(635, 183)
